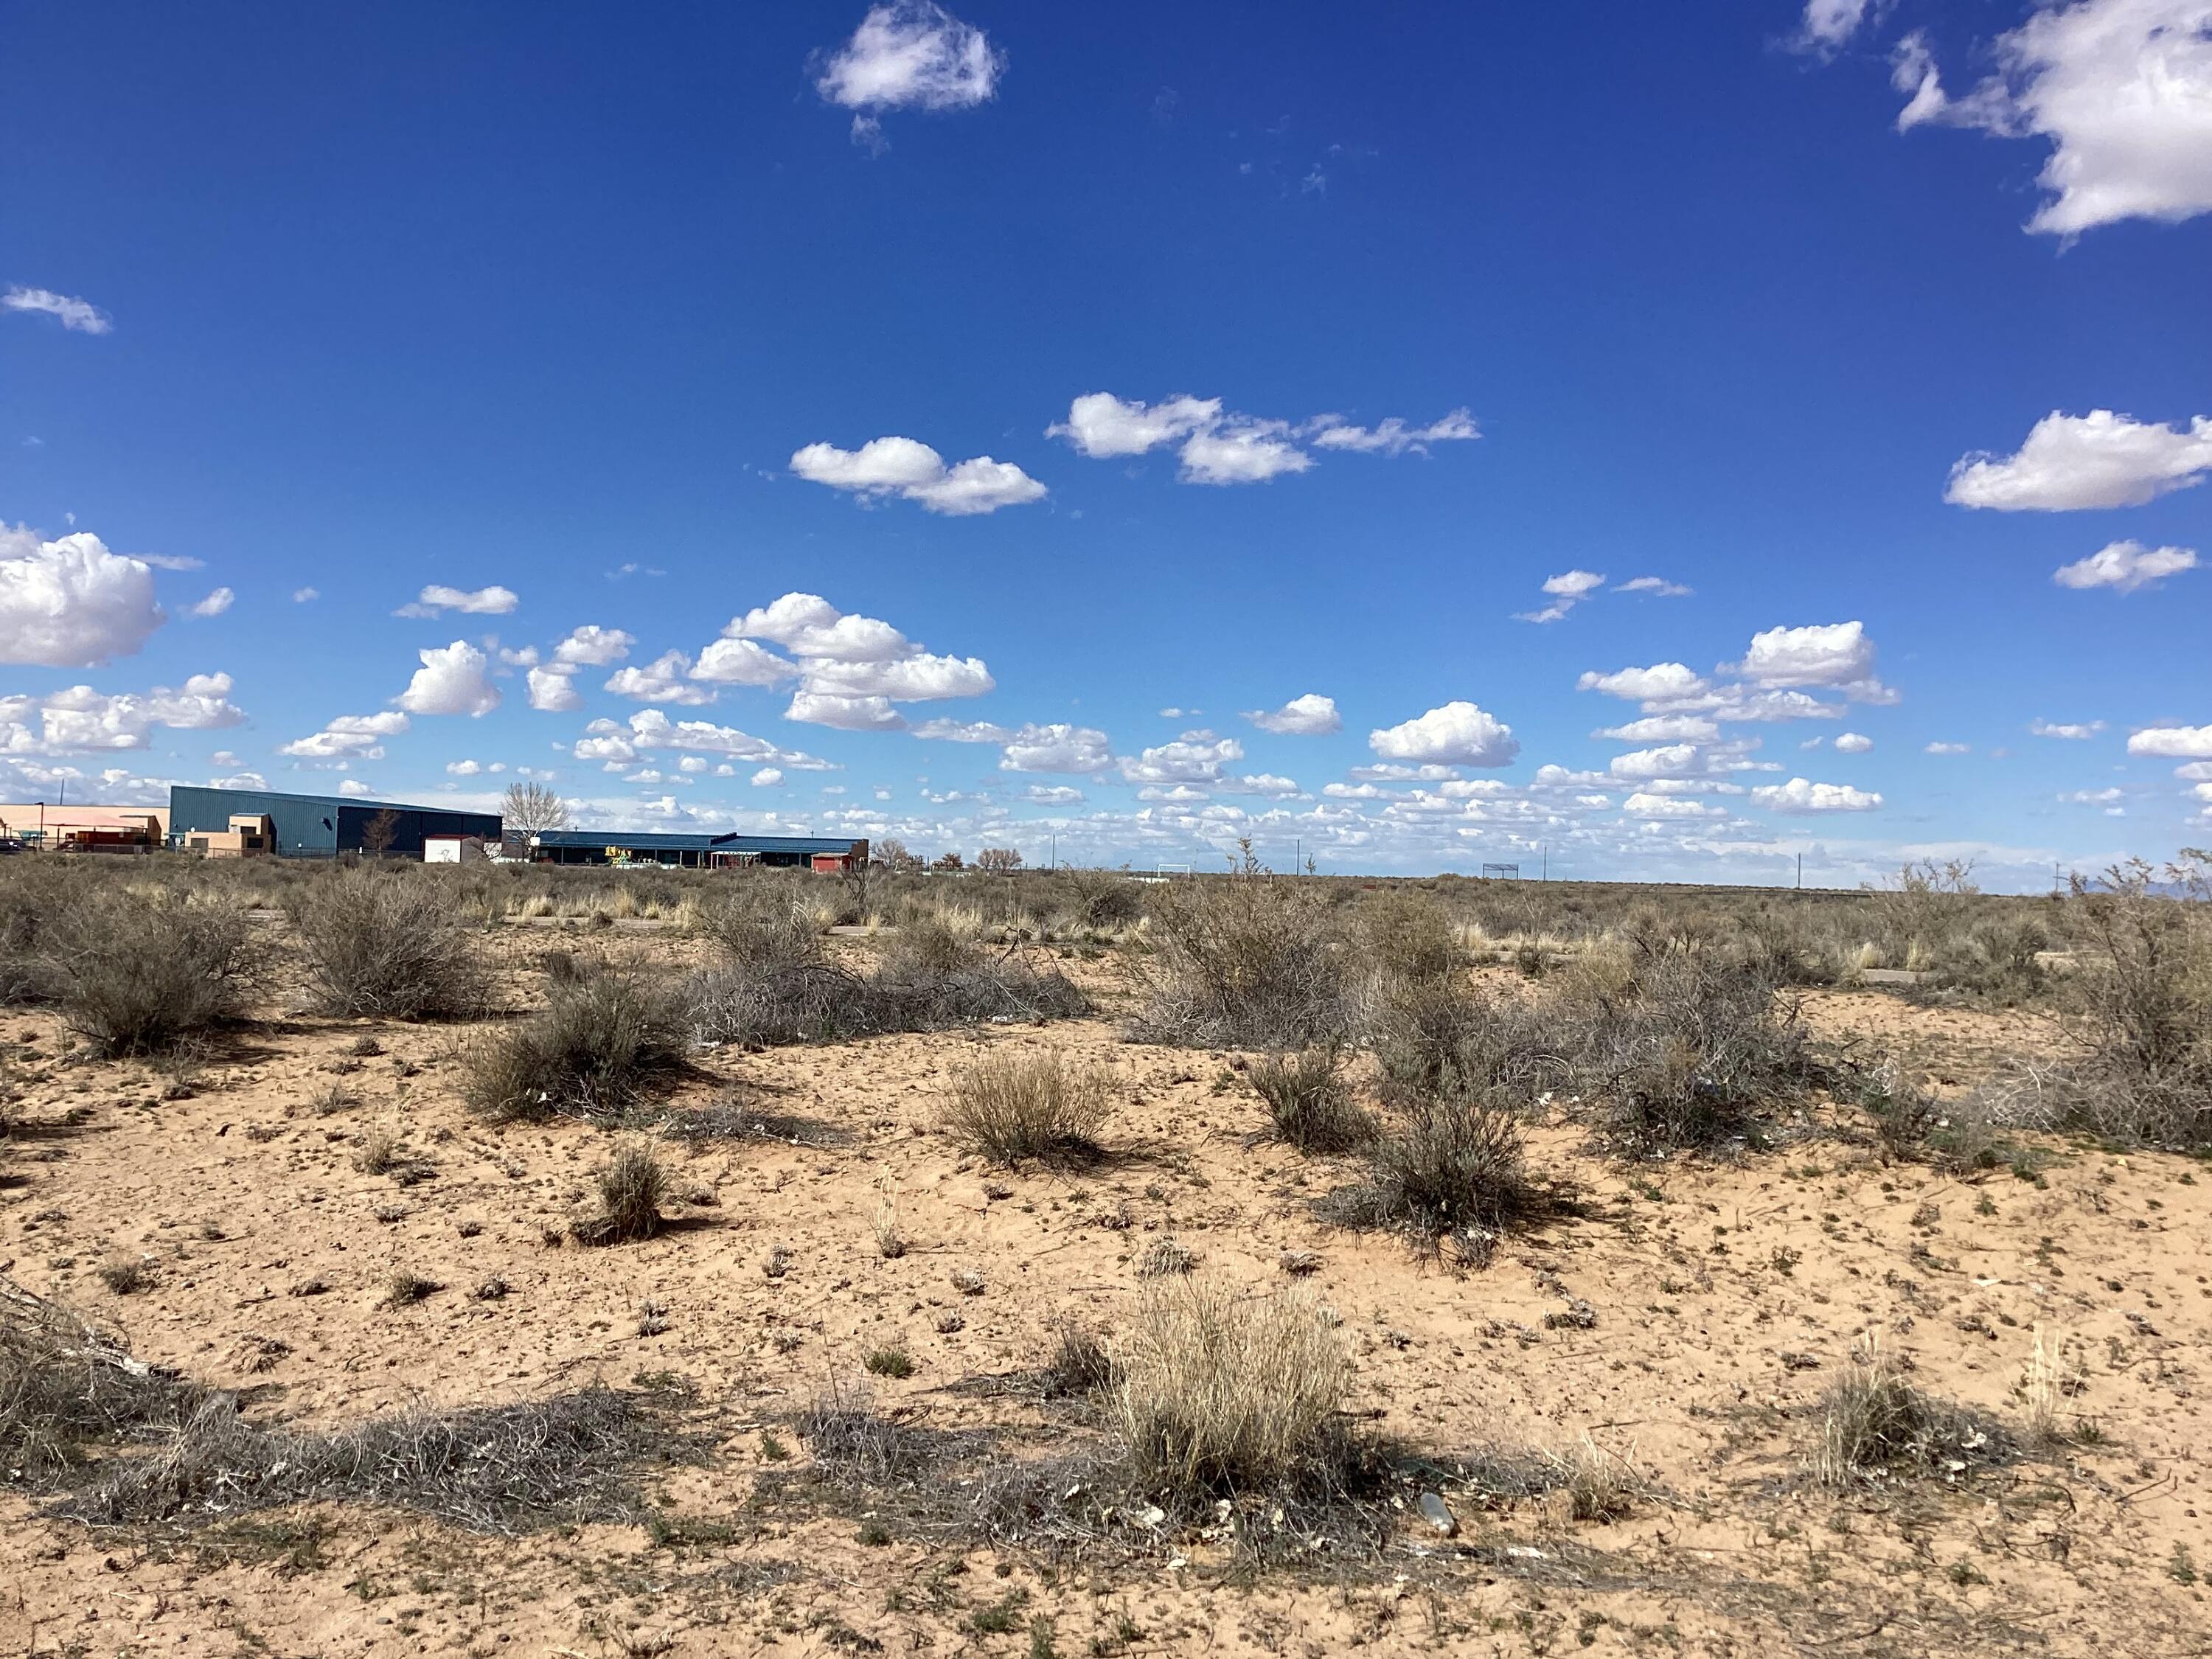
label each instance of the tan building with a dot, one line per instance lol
(250, 836)
(49, 827)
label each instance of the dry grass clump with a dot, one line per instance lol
(1244, 961)
(66, 1387)
(601, 1040)
(32, 890)
(394, 944)
(1309, 1101)
(1874, 1424)
(1016, 1104)
(1224, 1392)
(1455, 1167)
(499, 1469)
(1600, 1485)
(632, 1189)
(139, 970)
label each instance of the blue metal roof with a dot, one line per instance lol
(655, 840)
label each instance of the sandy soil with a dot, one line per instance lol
(1725, 1297)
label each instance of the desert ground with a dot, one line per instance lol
(1674, 1322)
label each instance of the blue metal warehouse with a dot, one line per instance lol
(320, 826)
(827, 856)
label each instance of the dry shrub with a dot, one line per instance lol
(1080, 1364)
(500, 1469)
(777, 982)
(2141, 1004)
(1874, 1424)
(1692, 1053)
(1439, 1039)
(1455, 1166)
(389, 944)
(632, 1189)
(1244, 961)
(32, 890)
(66, 1387)
(602, 1038)
(142, 970)
(1599, 1486)
(1406, 938)
(1224, 1392)
(1014, 1104)
(1309, 1101)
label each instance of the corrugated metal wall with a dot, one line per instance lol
(321, 826)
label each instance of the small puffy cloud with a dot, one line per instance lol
(2175, 742)
(2073, 462)
(1566, 591)
(2092, 797)
(453, 680)
(1273, 785)
(463, 768)
(916, 472)
(667, 679)
(649, 729)
(1219, 447)
(1307, 716)
(81, 316)
(767, 777)
(1831, 654)
(1252, 452)
(592, 646)
(1853, 743)
(918, 676)
(1645, 804)
(1052, 794)
(553, 692)
(493, 601)
(306, 595)
(1801, 796)
(2125, 567)
(354, 787)
(1056, 748)
(349, 736)
(1940, 748)
(70, 603)
(910, 54)
(1672, 760)
(1664, 728)
(2119, 88)
(846, 712)
(2078, 731)
(1458, 734)
(80, 718)
(1101, 425)
(1184, 761)
(1662, 681)
(1392, 436)
(1658, 587)
(213, 605)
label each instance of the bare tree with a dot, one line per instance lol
(376, 835)
(997, 860)
(529, 808)
(949, 861)
(892, 854)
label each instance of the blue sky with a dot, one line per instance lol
(530, 321)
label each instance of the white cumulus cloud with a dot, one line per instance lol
(2176, 742)
(1459, 733)
(2072, 462)
(2125, 567)
(453, 680)
(349, 736)
(70, 603)
(494, 601)
(1800, 796)
(1853, 743)
(2078, 733)
(1219, 447)
(213, 605)
(667, 679)
(909, 54)
(913, 472)
(1310, 715)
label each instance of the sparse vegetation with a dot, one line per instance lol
(388, 944)
(1875, 1423)
(1244, 962)
(1310, 1103)
(1454, 1167)
(138, 972)
(633, 1185)
(602, 1039)
(1014, 1104)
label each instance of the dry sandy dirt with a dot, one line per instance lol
(1726, 1296)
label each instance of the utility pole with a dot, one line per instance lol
(1298, 856)
(1801, 872)
(1547, 865)
(1055, 849)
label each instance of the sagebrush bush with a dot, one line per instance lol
(1696, 1051)
(389, 944)
(138, 971)
(32, 892)
(1456, 1165)
(1245, 961)
(1016, 1104)
(1309, 1101)
(1222, 1391)
(602, 1039)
